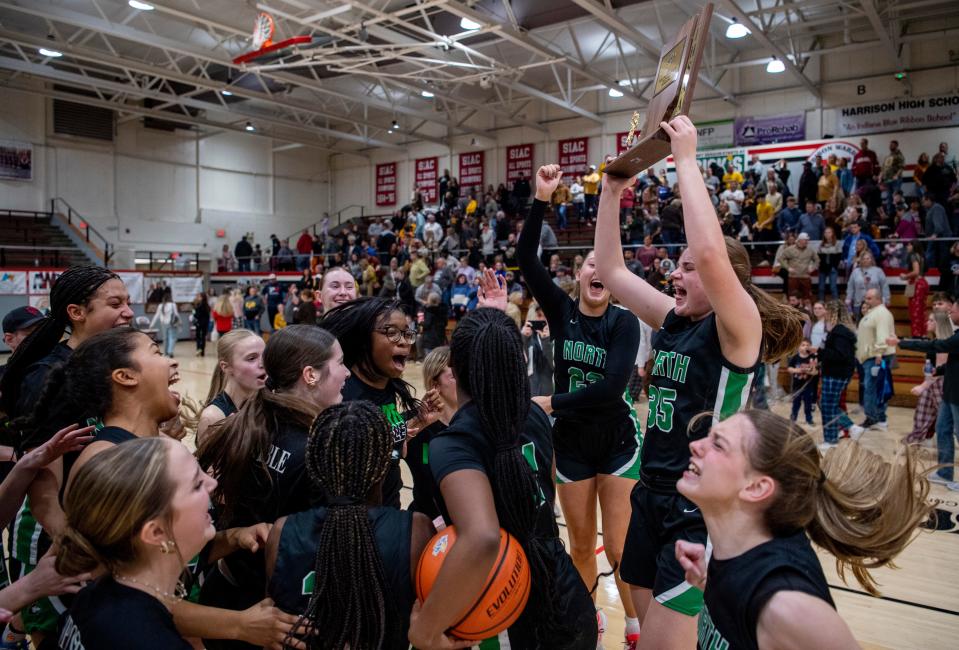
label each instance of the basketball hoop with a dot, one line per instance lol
(263, 28)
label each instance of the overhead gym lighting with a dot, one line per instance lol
(226, 93)
(737, 30)
(395, 127)
(469, 25)
(249, 127)
(615, 94)
(51, 53)
(142, 6)
(775, 66)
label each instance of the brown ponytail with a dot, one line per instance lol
(852, 503)
(782, 324)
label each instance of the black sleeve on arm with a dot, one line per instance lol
(950, 344)
(619, 368)
(549, 296)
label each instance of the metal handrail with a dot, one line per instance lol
(84, 225)
(335, 217)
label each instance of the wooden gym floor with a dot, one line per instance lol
(919, 607)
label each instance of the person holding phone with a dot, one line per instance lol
(539, 352)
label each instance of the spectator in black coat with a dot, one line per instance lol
(243, 253)
(808, 184)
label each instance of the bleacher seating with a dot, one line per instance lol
(29, 239)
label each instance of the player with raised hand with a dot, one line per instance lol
(709, 340)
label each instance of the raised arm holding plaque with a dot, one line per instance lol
(672, 95)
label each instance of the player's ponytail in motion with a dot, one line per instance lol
(347, 456)
(74, 287)
(238, 446)
(782, 324)
(859, 507)
(486, 355)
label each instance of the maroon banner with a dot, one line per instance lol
(471, 171)
(519, 158)
(621, 141)
(574, 156)
(386, 184)
(427, 179)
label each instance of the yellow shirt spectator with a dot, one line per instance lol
(732, 176)
(591, 182)
(765, 215)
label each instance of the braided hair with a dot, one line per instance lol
(81, 389)
(486, 354)
(353, 324)
(75, 286)
(347, 455)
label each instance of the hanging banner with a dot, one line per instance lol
(621, 141)
(133, 281)
(769, 130)
(519, 159)
(710, 135)
(898, 115)
(386, 184)
(574, 156)
(427, 180)
(840, 148)
(13, 283)
(16, 160)
(472, 171)
(183, 287)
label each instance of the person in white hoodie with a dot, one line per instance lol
(167, 320)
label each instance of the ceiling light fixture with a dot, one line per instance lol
(226, 93)
(249, 127)
(51, 53)
(737, 30)
(623, 83)
(395, 127)
(426, 94)
(142, 6)
(775, 66)
(469, 25)
(615, 94)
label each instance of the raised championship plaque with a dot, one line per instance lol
(672, 95)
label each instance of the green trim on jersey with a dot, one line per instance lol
(26, 535)
(498, 642)
(731, 394)
(683, 598)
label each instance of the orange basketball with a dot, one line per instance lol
(502, 599)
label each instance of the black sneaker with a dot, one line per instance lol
(868, 422)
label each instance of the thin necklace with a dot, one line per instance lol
(178, 595)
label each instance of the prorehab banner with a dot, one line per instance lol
(898, 115)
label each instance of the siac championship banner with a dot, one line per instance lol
(386, 184)
(427, 179)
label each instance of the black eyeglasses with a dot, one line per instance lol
(396, 335)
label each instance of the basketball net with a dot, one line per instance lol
(263, 30)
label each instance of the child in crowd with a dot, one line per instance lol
(803, 367)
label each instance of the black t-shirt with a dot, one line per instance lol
(737, 589)
(289, 490)
(106, 615)
(689, 376)
(593, 356)
(464, 445)
(418, 460)
(225, 403)
(294, 575)
(799, 382)
(31, 389)
(386, 398)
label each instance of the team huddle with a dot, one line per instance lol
(285, 528)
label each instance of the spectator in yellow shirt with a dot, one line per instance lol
(591, 191)
(732, 175)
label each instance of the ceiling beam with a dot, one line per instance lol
(760, 36)
(870, 8)
(125, 32)
(525, 41)
(653, 50)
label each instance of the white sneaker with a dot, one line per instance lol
(601, 624)
(954, 486)
(855, 432)
(826, 446)
(880, 426)
(938, 480)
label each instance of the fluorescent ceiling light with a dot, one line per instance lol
(426, 94)
(625, 82)
(226, 93)
(737, 30)
(469, 25)
(143, 6)
(51, 53)
(615, 94)
(249, 126)
(775, 66)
